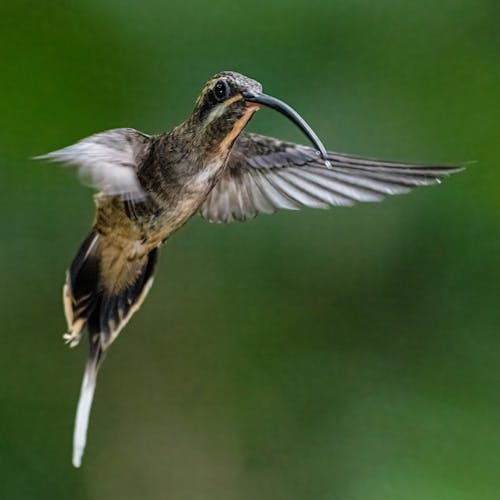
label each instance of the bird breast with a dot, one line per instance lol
(186, 202)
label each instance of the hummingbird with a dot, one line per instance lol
(149, 186)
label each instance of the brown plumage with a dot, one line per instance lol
(149, 186)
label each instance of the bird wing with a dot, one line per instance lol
(107, 160)
(265, 174)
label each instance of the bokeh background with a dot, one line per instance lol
(345, 354)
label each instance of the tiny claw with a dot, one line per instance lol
(71, 339)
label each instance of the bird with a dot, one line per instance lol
(149, 186)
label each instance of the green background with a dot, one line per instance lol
(344, 354)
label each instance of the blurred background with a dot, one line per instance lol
(344, 354)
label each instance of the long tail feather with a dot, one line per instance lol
(85, 402)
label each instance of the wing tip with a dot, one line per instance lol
(53, 156)
(46, 156)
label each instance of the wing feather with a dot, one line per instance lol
(107, 161)
(264, 174)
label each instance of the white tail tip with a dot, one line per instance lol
(83, 413)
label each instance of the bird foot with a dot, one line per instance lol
(73, 339)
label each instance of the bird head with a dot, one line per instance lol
(228, 101)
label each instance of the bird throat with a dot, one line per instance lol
(224, 146)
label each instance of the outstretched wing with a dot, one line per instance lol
(107, 160)
(265, 174)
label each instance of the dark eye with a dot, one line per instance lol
(221, 90)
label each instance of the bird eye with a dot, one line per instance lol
(221, 90)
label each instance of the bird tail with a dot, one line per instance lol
(87, 390)
(101, 294)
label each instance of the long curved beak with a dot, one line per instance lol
(291, 114)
